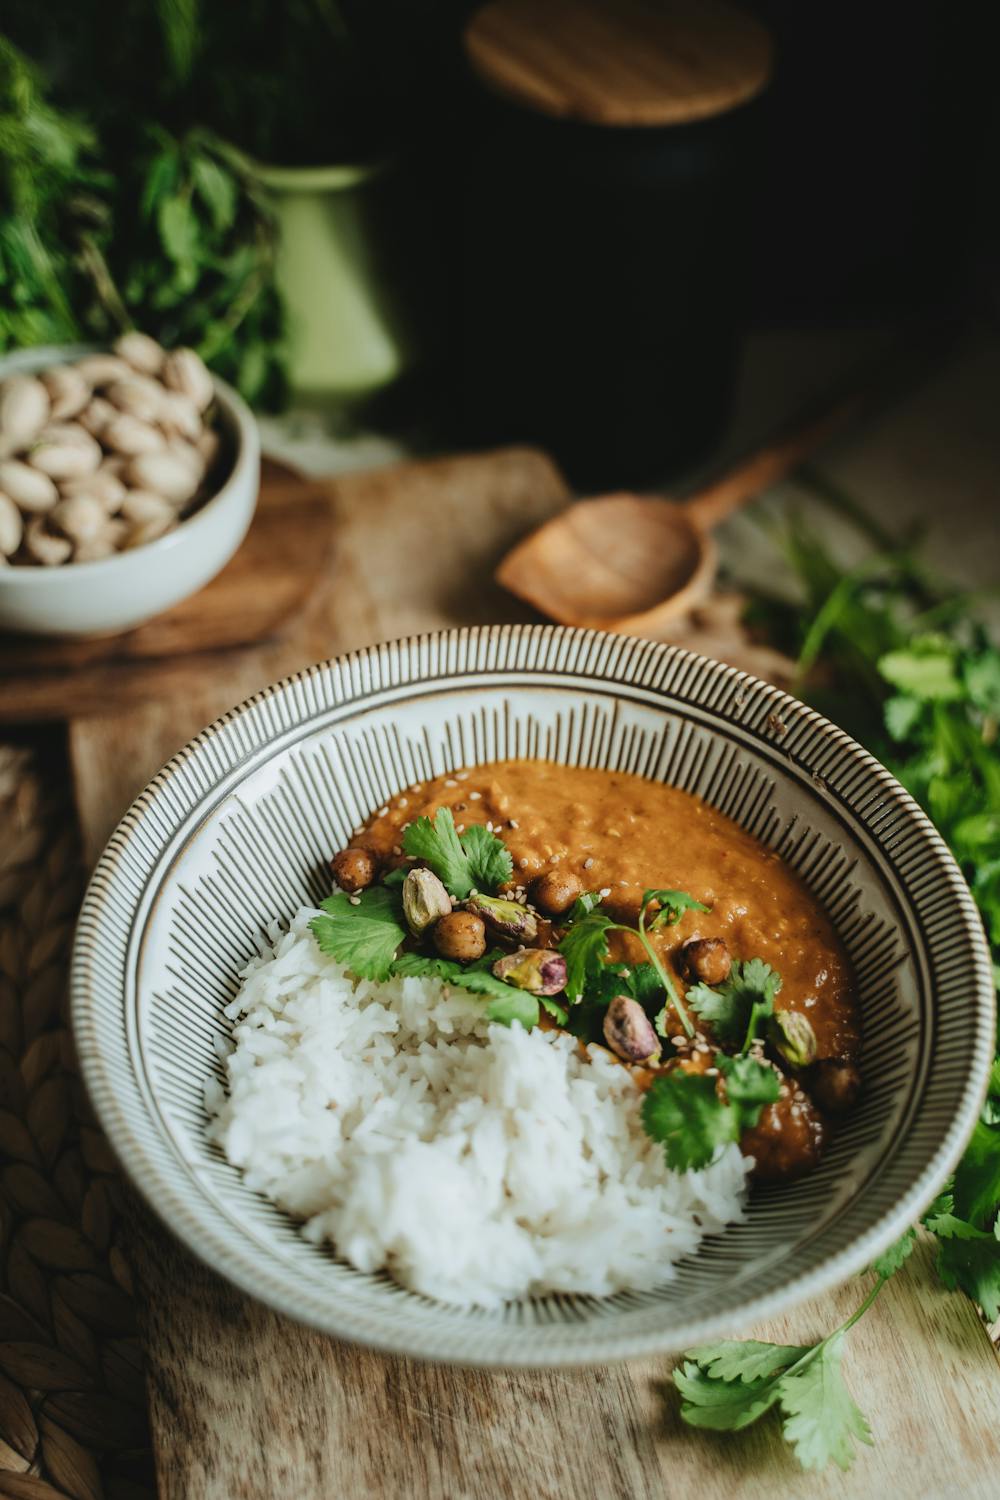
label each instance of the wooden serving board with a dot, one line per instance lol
(247, 1406)
(256, 597)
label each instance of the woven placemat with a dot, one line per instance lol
(72, 1392)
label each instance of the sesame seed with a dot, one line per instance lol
(397, 849)
(523, 864)
(475, 796)
(354, 900)
(462, 775)
(711, 1073)
(451, 781)
(513, 823)
(587, 863)
(403, 802)
(678, 1041)
(417, 786)
(614, 833)
(383, 812)
(604, 892)
(459, 827)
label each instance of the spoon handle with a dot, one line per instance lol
(708, 506)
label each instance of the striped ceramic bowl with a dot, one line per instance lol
(238, 827)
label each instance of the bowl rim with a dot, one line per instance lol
(246, 441)
(379, 665)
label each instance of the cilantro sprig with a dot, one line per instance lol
(585, 945)
(736, 1007)
(476, 860)
(728, 1385)
(362, 932)
(685, 1113)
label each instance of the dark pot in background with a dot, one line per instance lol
(601, 286)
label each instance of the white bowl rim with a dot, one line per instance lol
(247, 454)
(196, 1229)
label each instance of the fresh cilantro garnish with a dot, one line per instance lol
(734, 1008)
(728, 1385)
(507, 1004)
(362, 932)
(478, 861)
(685, 1113)
(582, 907)
(749, 1086)
(673, 905)
(976, 1188)
(585, 949)
(490, 862)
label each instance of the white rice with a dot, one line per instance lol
(476, 1163)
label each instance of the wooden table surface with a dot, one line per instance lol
(246, 1404)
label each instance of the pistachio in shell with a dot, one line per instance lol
(424, 900)
(506, 919)
(540, 971)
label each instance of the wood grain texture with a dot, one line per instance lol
(245, 1404)
(620, 62)
(256, 597)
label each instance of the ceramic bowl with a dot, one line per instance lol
(119, 592)
(237, 828)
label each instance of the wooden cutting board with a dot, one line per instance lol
(247, 1406)
(257, 597)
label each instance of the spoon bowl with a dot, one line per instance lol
(617, 563)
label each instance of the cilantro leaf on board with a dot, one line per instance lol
(969, 1259)
(685, 1114)
(750, 1084)
(490, 861)
(362, 932)
(745, 1359)
(730, 1006)
(673, 905)
(889, 1262)
(821, 1419)
(507, 1004)
(585, 947)
(478, 861)
(722, 1405)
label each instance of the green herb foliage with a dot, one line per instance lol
(685, 1113)
(740, 1002)
(727, 1385)
(903, 661)
(476, 861)
(507, 1004)
(362, 932)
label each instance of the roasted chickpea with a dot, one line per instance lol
(460, 936)
(555, 892)
(706, 960)
(353, 869)
(835, 1085)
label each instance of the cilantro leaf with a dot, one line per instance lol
(745, 1359)
(922, 673)
(977, 1177)
(363, 933)
(586, 1017)
(647, 987)
(889, 1262)
(507, 1004)
(821, 1418)
(438, 845)
(722, 1405)
(750, 1085)
(684, 1112)
(729, 1007)
(585, 947)
(556, 1011)
(673, 905)
(584, 904)
(969, 1260)
(478, 861)
(490, 862)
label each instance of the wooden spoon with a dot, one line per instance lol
(628, 564)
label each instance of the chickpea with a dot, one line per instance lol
(835, 1085)
(353, 869)
(555, 892)
(707, 960)
(460, 936)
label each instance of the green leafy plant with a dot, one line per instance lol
(728, 1385)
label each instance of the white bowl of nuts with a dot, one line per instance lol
(127, 481)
